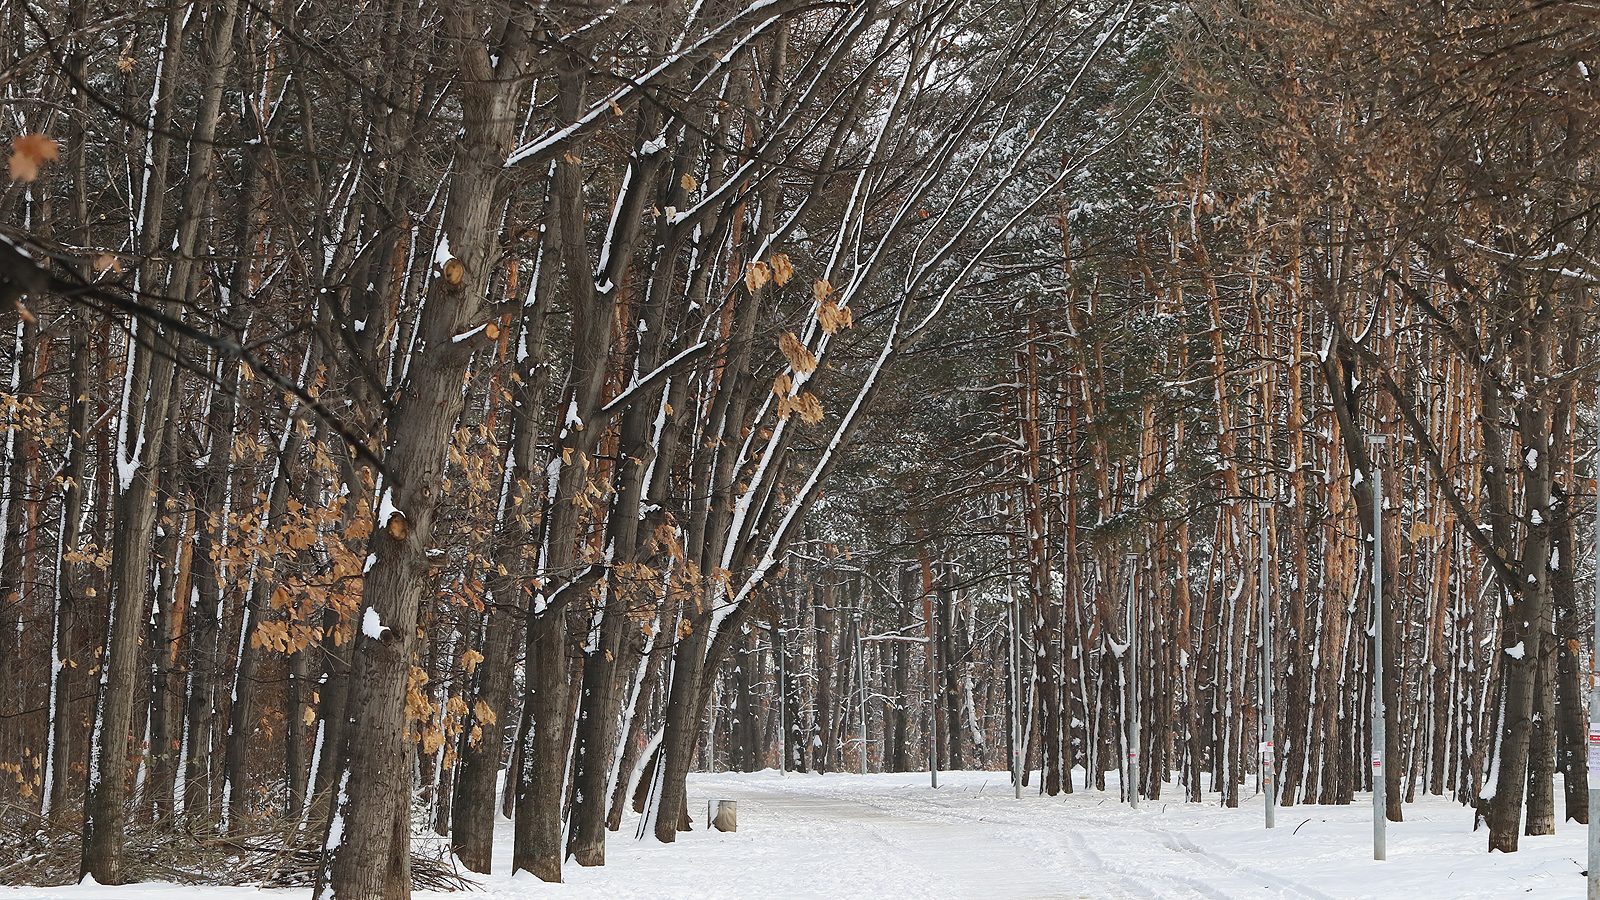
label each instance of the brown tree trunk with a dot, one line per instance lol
(1528, 615)
(896, 758)
(147, 391)
(630, 585)
(1570, 725)
(949, 649)
(370, 843)
(482, 747)
(633, 742)
(822, 739)
(1541, 813)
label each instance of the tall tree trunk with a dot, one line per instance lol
(896, 758)
(146, 392)
(243, 711)
(1570, 725)
(950, 663)
(1528, 615)
(565, 575)
(370, 840)
(1541, 813)
(483, 739)
(630, 584)
(822, 739)
(57, 791)
(105, 815)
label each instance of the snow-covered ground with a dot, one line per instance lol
(810, 837)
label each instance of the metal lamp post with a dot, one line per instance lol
(783, 696)
(861, 679)
(1131, 560)
(1594, 709)
(1015, 691)
(1380, 821)
(933, 685)
(1268, 763)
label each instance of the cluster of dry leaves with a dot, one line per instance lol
(29, 152)
(830, 316)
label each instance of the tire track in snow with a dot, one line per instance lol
(961, 861)
(1055, 840)
(841, 819)
(1136, 877)
(1181, 842)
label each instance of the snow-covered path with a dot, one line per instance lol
(967, 846)
(890, 837)
(907, 840)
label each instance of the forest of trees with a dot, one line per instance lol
(422, 414)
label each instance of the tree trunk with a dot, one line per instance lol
(105, 813)
(370, 838)
(822, 739)
(1570, 724)
(950, 662)
(482, 746)
(242, 712)
(1541, 813)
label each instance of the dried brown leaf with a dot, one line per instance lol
(809, 407)
(757, 276)
(800, 359)
(782, 269)
(30, 151)
(832, 318)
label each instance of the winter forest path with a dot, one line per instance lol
(972, 838)
(890, 837)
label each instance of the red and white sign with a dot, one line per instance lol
(1594, 750)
